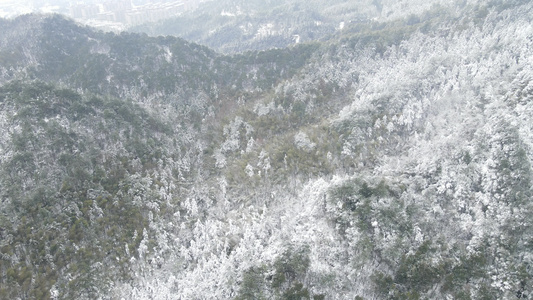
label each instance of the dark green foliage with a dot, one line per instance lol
(274, 65)
(416, 275)
(289, 267)
(416, 272)
(515, 170)
(347, 193)
(467, 158)
(296, 292)
(365, 190)
(356, 197)
(253, 284)
(285, 280)
(64, 230)
(468, 269)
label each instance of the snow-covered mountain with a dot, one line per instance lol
(389, 160)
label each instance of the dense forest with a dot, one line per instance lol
(387, 158)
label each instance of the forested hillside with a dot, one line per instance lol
(387, 160)
(231, 26)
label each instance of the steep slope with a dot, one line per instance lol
(76, 171)
(80, 180)
(420, 188)
(54, 48)
(51, 48)
(393, 161)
